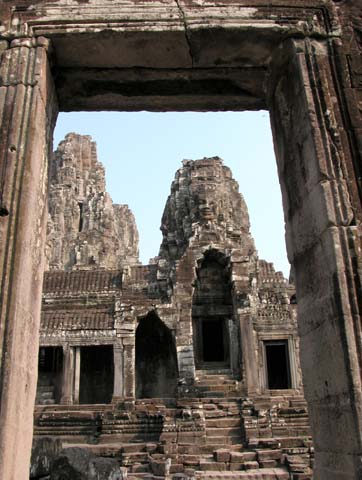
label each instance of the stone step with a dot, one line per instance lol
(225, 394)
(45, 395)
(122, 438)
(213, 391)
(139, 468)
(191, 460)
(134, 447)
(76, 410)
(44, 401)
(217, 388)
(223, 422)
(220, 414)
(253, 474)
(292, 442)
(289, 430)
(210, 465)
(222, 431)
(242, 457)
(231, 408)
(224, 404)
(213, 371)
(212, 394)
(222, 407)
(215, 381)
(65, 433)
(132, 427)
(136, 457)
(210, 449)
(220, 441)
(217, 440)
(269, 455)
(157, 404)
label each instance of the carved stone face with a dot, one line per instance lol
(206, 210)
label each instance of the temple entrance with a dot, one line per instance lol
(50, 365)
(277, 365)
(96, 374)
(211, 309)
(156, 360)
(213, 340)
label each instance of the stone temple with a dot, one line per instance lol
(184, 368)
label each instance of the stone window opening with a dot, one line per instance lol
(277, 365)
(156, 359)
(80, 226)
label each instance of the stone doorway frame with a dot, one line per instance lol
(185, 55)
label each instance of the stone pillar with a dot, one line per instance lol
(27, 116)
(129, 368)
(234, 346)
(118, 373)
(250, 364)
(68, 375)
(323, 225)
(76, 375)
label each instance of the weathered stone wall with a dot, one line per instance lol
(27, 115)
(85, 229)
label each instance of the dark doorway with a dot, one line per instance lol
(50, 366)
(96, 374)
(211, 309)
(278, 367)
(213, 340)
(156, 359)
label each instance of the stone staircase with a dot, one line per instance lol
(219, 383)
(205, 437)
(223, 423)
(275, 417)
(281, 422)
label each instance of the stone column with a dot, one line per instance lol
(234, 346)
(76, 375)
(68, 375)
(118, 373)
(323, 233)
(129, 368)
(27, 116)
(250, 365)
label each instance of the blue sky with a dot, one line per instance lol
(141, 152)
